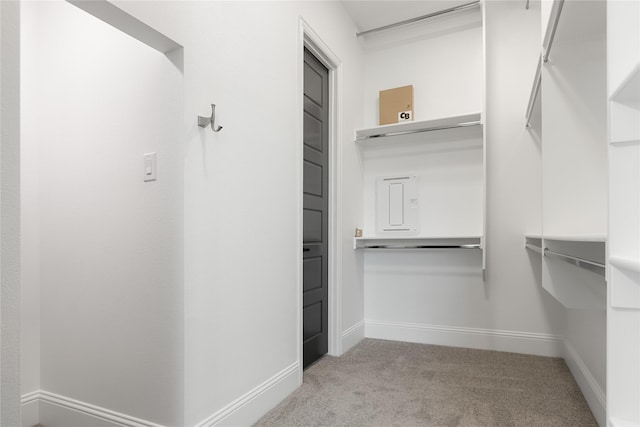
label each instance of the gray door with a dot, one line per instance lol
(316, 210)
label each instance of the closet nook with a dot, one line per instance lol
(623, 311)
(448, 208)
(574, 170)
(567, 110)
(423, 219)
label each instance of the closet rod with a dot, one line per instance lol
(533, 247)
(573, 258)
(556, 10)
(421, 247)
(535, 91)
(419, 18)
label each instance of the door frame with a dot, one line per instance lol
(309, 39)
(10, 212)
(125, 23)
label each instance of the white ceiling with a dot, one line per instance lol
(369, 14)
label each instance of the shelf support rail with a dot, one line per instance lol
(419, 18)
(533, 247)
(471, 246)
(580, 262)
(556, 10)
(535, 91)
(408, 132)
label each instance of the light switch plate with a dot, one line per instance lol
(150, 167)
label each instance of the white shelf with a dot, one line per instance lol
(629, 90)
(418, 242)
(586, 251)
(574, 270)
(624, 110)
(624, 263)
(586, 238)
(625, 283)
(617, 422)
(625, 142)
(418, 126)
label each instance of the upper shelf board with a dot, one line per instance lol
(416, 242)
(597, 238)
(629, 91)
(625, 263)
(419, 126)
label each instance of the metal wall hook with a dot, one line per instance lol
(203, 122)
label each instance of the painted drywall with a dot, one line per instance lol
(110, 244)
(30, 215)
(9, 213)
(441, 58)
(575, 116)
(449, 173)
(447, 301)
(514, 177)
(574, 164)
(243, 192)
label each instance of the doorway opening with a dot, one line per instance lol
(315, 221)
(312, 44)
(102, 264)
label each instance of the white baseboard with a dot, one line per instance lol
(251, 406)
(615, 422)
(484, 339)
(243, 411)
(352, 336)
(248, 408)
(29, 409)
(92, 412)
(592, 392)
(31, 397)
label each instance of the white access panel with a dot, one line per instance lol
(397, 208)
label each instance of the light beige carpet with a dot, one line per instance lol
(387, 383)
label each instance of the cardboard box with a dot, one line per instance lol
(396, 105)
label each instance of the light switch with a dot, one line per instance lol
(150, 167)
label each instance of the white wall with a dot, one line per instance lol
(30, 213)
(441, 297)
(575, 177)
(9, 213)
(243, 192)
(513, 173)
(441, 58)
(574, 133)
(104, 247)
(450, 174)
